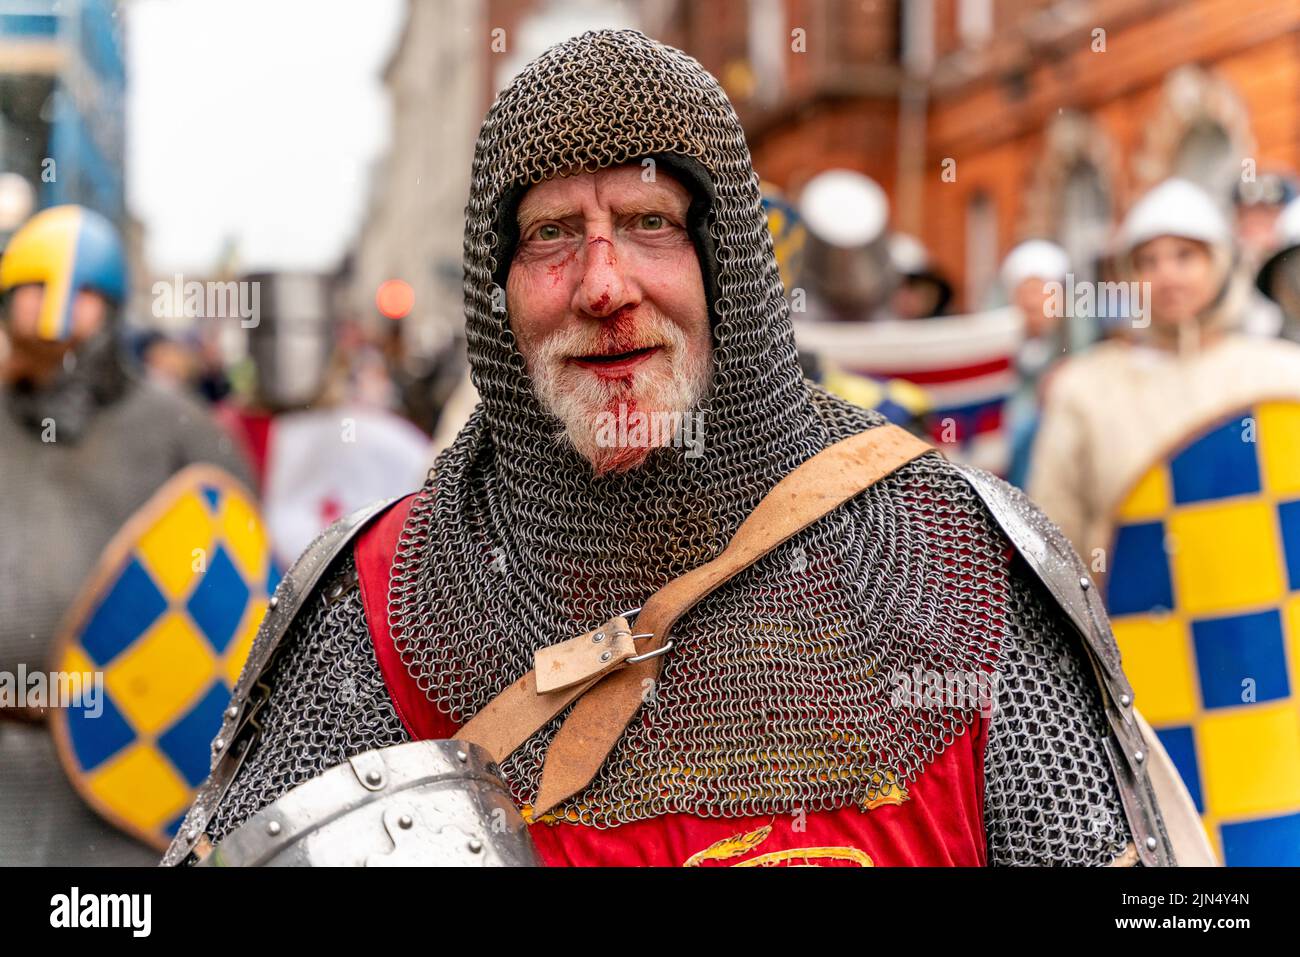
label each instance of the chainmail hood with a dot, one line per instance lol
(777, 694)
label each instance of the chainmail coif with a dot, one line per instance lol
(777, 695)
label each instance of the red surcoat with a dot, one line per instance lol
(939, 819)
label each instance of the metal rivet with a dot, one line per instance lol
(374, 778)
(218, 744)
(1151, 843)
(273, 602)
(462, 757)
(475, 845)
(1084, 583)
(1139, 756)
(273, 828)
(606, 655)
(405, 822)
(231, 712)
(1125, 700)
(598, 636)
(192, 834)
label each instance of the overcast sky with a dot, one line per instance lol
(254, 120)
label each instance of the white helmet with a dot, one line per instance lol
(843, 208)
(1034, 259)
(908, 254)
(846, 247)
(1177, 207)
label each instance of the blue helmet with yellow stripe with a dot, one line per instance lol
(66, 249)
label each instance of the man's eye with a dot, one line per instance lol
(548, 232)
(652, 221)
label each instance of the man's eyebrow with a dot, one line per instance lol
(541, 210)
(538, 211)
(660, 203)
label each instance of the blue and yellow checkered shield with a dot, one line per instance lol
(1204, 595)
(167, 618)
(787, 230)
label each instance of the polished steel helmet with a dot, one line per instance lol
(846, 254)
(291, 340)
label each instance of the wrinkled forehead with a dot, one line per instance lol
(629, 188)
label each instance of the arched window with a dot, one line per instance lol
(1083, 226)
(1206, 157)
(1200, 130)
(1071, 200)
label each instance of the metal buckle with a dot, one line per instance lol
(666, 647)
(663, 650)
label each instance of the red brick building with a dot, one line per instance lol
(989, 121)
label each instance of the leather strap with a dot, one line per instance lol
(814, 489)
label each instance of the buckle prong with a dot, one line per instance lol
(662, 650)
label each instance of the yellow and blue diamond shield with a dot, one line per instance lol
(1204, 596)
(162, 629)
(787, 231)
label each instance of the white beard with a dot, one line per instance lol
(667, 388)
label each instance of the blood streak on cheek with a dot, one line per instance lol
(556, 271)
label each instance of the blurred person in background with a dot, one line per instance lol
(168, 361)
(922, 291)
(360, 366)
(846, 271)
(898, 400)
(85, 444)
(1172, 458)
(1258, 204)
(1026, 273)
(317, 451)
(417, 385)
(1279, 277)
(1110, 412)
(864, 291)
(212, 380)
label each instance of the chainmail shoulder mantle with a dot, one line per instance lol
(1050, 795)
(327, 702)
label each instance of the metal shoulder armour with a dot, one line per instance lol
(1054, 562)
(424, 803)
(239, 725)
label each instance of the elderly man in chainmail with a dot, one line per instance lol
(618, 272)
